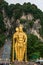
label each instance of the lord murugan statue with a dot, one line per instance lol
(19, 44)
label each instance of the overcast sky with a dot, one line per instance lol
(39, 3)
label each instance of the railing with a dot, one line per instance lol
(4, 61)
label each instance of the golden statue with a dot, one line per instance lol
(19, 44)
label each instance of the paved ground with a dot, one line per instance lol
(21, 63)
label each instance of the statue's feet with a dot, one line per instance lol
(26, 61)
(13, 61)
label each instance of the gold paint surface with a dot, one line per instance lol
(19, 44)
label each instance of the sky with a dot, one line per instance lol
(39, 3)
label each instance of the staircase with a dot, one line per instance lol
(6, 50)
(1, 50)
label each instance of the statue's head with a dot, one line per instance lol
(17, 29)
(20, 27)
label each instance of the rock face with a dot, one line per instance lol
(33, 31)
(28, 16)
(11, 23)
(6, 20)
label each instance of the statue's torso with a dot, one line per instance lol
(20, 38)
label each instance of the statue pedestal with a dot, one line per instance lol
(23, 63)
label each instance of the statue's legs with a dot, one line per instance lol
(21, 53)
(18, 53)
(16, 50)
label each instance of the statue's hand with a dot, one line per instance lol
(24, 44)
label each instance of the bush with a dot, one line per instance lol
(34, 47)
(2, 39)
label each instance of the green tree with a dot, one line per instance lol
(33, 46)
(2, 39)
(31, 23)
(2, 25)
(23, 21)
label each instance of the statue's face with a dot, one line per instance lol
(20, 29)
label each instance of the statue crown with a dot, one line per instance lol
(21, 25)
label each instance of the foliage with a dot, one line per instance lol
(17, 14)
(34, 47)
(2, 39)
(23, 21)
(35, 55)
(31, 23)
(2, 25)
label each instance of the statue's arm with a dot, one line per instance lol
(25, 37)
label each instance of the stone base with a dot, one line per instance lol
(23, 63)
